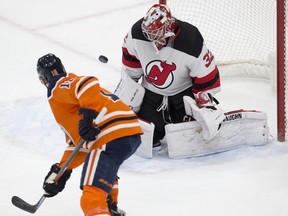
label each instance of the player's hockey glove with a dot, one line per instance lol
(53, 188)
(87, 128)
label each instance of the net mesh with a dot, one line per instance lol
(235, 31)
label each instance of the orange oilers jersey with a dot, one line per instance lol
(68, 92)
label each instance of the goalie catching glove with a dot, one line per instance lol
(206, 112)
(87, 128)
(51, 187)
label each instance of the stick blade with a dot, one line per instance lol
(20, 203)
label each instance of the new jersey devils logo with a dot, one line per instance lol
(159, 74)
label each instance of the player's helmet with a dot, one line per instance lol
(45, 66)
(158, 24)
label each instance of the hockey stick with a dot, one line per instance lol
(20, 203)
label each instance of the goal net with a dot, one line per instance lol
(247, 38)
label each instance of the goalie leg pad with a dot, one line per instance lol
(254, 123)
(146, 147)
(240, 127)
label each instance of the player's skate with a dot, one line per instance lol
(114, 210)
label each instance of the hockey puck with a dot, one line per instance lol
(103, 59)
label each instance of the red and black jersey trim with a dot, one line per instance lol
(130, 60)
(211, 81)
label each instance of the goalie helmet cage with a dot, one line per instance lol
(243, 35)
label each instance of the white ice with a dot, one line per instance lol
(244, 182)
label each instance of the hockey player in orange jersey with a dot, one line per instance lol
(75, 102)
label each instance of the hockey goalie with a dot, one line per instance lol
(170, 79)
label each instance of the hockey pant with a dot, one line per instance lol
(100, 172)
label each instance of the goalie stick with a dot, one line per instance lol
(22, 204)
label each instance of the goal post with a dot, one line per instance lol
(281, 71)
(247, 38)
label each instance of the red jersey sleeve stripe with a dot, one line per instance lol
(211, 81)
(130, 60)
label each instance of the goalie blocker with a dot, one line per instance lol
(130, 92)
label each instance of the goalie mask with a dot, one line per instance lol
(49, 66)
(158, 24)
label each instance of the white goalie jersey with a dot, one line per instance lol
(183, 63)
